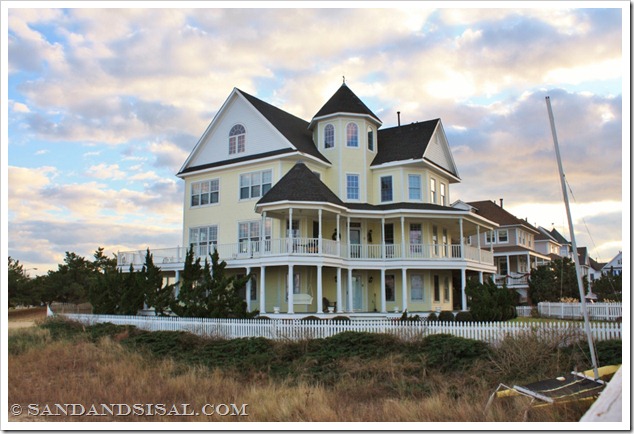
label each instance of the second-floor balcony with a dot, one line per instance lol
(235, 253)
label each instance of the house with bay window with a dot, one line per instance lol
(335, 214)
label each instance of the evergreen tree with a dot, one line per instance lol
(132, 295)
(156, 295)
(190, 301)
(554, 281)
(224, 297)
(488, 302)
(608, 287)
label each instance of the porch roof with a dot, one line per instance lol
(300, 184)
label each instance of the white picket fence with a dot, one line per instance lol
(596, 311)
(297, 329)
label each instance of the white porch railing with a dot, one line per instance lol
(311, 247)
(296, 329)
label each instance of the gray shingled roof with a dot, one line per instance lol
(345, 101)
(300, 184)
(499, 215)
(293, 128)
(405, 142)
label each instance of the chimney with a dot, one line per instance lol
(398, 114)
(501, 202)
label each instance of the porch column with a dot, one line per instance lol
(528, 261)
(290, 231)
(461, 239)
(508, 265)
(248, 291)
(350, 290)
(404, 287)
(463, 283)
(339, 296)
(291, 306)
(320, 292)
(383, 309)
(403, 237)
(262, 248)
(338, 237)
(262, 291)
(479, 251)
(481, 276)
(348, 237)
(319, 249)
(383, 252)
(177, 285)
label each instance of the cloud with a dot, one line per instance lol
(105, 171)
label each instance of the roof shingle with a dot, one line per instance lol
(345, 101)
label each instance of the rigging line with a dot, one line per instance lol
(596, 251)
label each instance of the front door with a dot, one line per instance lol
(357, 293)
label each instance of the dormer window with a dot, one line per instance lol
(352, 135)
(237, 139)
(329, 136)
(370, 139)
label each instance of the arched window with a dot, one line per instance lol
(352, 135)
(237, 139)
(370, 139)
(329, 136)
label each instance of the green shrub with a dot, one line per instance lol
(608, 352)
(24, 340)
(451, 353)
(446, 316)
(310, 318)
(464, 316)
(340, 318)
(432, 317)
(410, 318)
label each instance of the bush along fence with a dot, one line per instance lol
(299, 329)
(596, 311)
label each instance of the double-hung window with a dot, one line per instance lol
(249, 236)
(432, 188)
(386, 189)
(205, 192)
(443, 194)
(202, 240)
(370, 139)
(414, 182)
(255, 184)
(352, 186)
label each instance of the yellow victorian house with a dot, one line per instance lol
(332, 215)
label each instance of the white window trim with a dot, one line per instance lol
(261, 172)
(420, 187)
(381, 189)
(497, 238)
(191, 188)
(358, 175)
(358, 144)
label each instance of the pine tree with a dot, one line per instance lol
(191, 297)
(157, 296)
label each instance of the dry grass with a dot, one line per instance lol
(89, 373)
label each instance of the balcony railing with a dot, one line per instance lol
(311, 247)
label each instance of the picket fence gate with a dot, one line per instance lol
(297, 329)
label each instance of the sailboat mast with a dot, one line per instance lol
(575, 254)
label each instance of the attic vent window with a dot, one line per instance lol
(237, 139)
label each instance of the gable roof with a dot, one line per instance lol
(560, 238)
(293, 128)
(300, 184)
(406, 142)
(345, 101)
(496, 213)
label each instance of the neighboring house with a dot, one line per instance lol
(337, 209)
(547, 244)
(615, 266)
(566, 246)
(514, 246)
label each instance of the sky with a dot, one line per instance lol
(101, 105)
